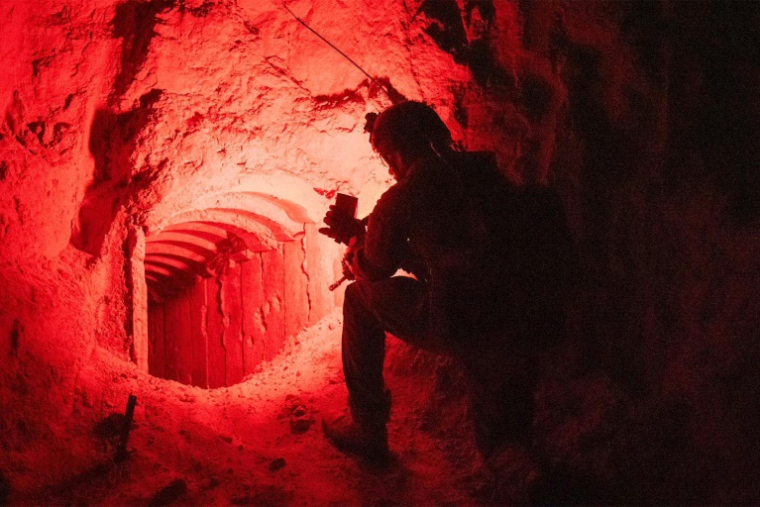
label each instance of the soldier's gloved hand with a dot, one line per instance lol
(341, 227)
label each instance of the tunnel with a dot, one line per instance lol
(228, 284)
(167, 332)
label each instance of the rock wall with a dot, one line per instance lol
(643, 116)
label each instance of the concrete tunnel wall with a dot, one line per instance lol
(222, 327)
(230, 276)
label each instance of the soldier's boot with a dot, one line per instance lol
(362, 433)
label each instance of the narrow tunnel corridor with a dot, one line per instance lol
(227, 285)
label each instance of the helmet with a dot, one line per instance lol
(409, 128)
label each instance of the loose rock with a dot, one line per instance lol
(170, 494)
(277, 464)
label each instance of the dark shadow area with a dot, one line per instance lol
(610, 158)
(5, 491)
(715, 84)
(667, 153)
(135, 23)
(447, 29)
(169, 494)
(112, 144)
(560, 485)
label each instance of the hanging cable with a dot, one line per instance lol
(369, 76)
(372, 79)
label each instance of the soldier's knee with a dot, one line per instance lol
(352, 293)
(356, 293)
(358, 288)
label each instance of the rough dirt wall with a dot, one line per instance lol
(644, 117)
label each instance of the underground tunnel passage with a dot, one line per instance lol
(226, 290)
(164, 165)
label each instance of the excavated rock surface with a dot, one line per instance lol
(642, 116)
(247, 445)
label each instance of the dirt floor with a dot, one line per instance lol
(261, 442)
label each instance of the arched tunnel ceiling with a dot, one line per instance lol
(281, 217)
(205, 231)
(232, 224)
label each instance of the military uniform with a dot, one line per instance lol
(452, 224)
